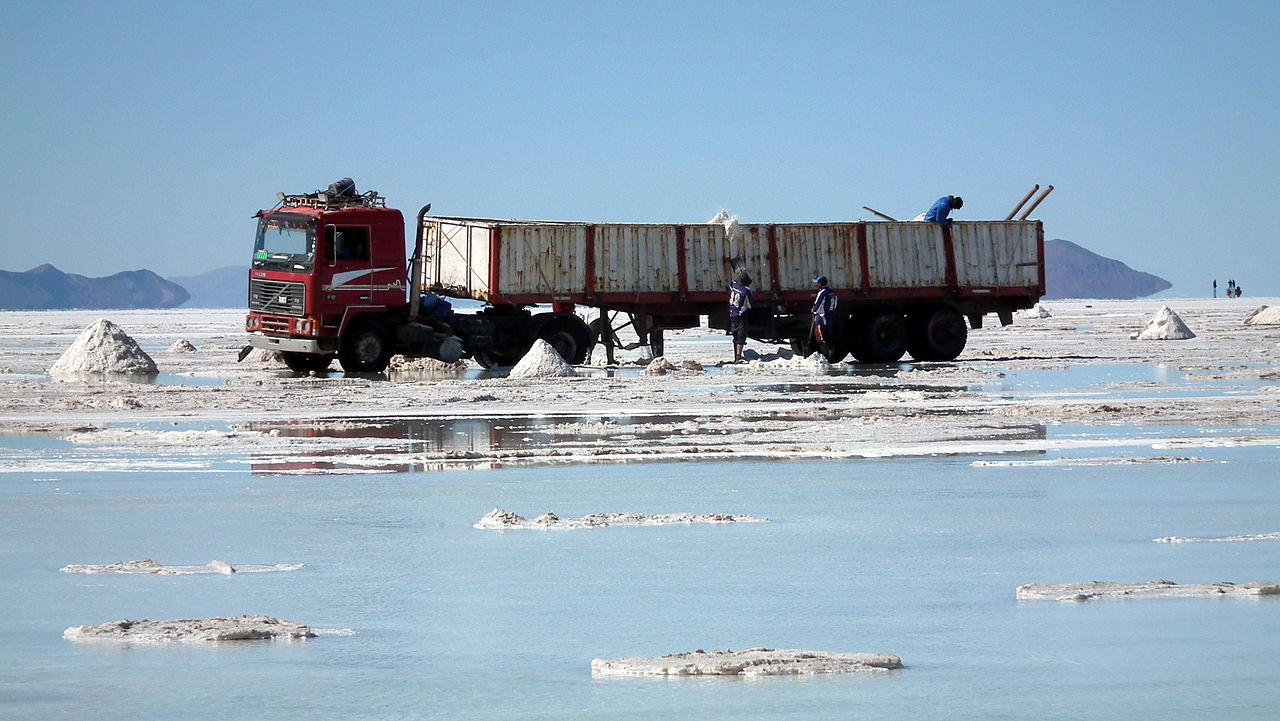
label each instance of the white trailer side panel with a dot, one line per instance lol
(806, 251)
(906, 255)
(710, 258)
(543, 259)
(996, 254)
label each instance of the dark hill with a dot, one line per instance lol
(47, 288)
(1073, 272)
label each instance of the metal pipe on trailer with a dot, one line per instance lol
(1022, 202)
(1044, 194)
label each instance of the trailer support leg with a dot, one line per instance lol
(606, 335)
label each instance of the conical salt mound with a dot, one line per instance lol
(1164, 325)
(1263, 315)
(104, 348)
(542, 361)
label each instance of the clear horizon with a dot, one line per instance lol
(146, 135)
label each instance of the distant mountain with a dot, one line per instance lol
(226, 287)
(47, 288)
(1073, 272)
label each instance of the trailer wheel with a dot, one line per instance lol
(306, 362)
(880, 337)
(937, 334)
(366, 348)
(570, 337)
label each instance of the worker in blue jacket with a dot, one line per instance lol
(942, 208)
(739, 304)
(824, 307)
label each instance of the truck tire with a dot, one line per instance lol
(569, 336)
(366, 348)
(879, 337)
(938, 333)
(306, 362)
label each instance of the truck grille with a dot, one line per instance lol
(275, 296)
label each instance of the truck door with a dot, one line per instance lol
(346, 252)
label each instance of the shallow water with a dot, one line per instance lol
(915, 557)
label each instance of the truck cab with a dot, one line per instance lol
(323, 262)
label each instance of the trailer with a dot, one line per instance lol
(329, 280)
(903, 287)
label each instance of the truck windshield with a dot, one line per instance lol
(285, 242)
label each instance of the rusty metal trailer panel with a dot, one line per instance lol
(684, 268)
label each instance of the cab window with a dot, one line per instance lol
(346, 243)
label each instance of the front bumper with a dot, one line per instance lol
(315, 346)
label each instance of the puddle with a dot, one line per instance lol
(1114, 381)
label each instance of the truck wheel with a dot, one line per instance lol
(880, 337)
(306, 362)
(937, 334)
(570, 337)
(366, 348)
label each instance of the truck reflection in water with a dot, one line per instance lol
(405, 445)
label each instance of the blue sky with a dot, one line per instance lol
(145, 135)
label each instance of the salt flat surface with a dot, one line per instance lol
(500, 520)
(1090, 590)
(752, 662)
(242, 628)
(764, 408)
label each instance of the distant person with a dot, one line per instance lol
(1215, 287)
(739, 304)
(824, 306)
(942, 208)
(1238, 291)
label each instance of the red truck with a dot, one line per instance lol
(331, 278)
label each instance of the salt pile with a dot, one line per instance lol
(1151, 589)
(659, 366)
(1263, 315)
(542, 361)
(405, 364)
(244, 628)
(752, 662)
(1037, 312)
(1164, 325)
(500, 520)
(182, 345)
(262, 356)
(148, 566)
(815, 364)
(1226, 539)
(104, 348)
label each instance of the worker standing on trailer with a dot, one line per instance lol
(739, 304)
(824, 306)
(942, 208)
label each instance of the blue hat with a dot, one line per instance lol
(820, 279)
